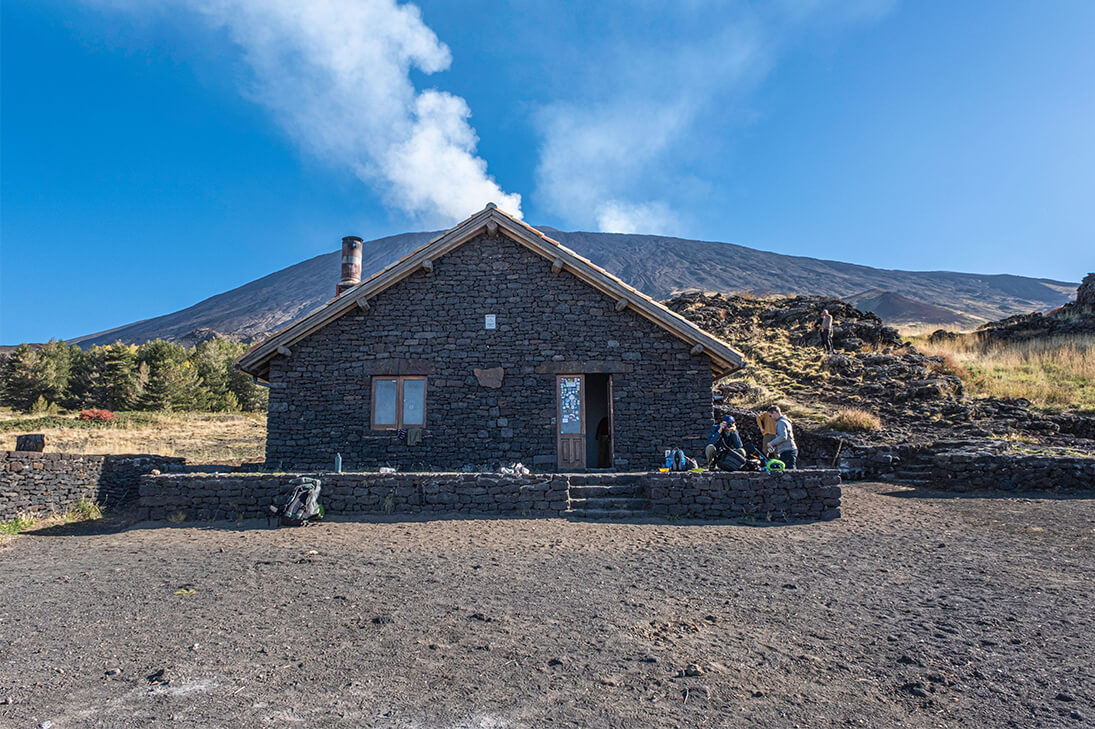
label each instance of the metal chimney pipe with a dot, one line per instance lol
(351, 264)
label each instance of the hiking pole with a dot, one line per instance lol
(838, 447)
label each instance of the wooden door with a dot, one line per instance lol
(571, 418)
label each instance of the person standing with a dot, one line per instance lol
(825, 324)
(783, 445)
(767, 425)
(604, 443)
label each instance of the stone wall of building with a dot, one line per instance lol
(37, 484)
(432, 324)
(791, 495)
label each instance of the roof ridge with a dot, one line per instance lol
(599, 278)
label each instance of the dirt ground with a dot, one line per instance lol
(914, 610)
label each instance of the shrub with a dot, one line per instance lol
(946, 363)
(41, 406)
(84, 510)
(854, 420)
(19, 524)
(96, 414)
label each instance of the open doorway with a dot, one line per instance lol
(599, 431)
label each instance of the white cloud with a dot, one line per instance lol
(615, 216)
(614, 159)
(590, 153)
(597, 155)
(336, 76)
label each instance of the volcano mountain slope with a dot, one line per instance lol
(656, 265)
(1073, 319)
(917, 398)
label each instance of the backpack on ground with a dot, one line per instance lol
(731, 459)
(302, 506)
(677, 461)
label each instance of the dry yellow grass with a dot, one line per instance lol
(854, 420)
(198, 437)
(1057, 372)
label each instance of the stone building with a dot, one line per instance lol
(491, 343)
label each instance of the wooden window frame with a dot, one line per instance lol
(399, 380)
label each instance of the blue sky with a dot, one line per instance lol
(154, 154)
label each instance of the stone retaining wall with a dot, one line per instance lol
(805, 494)
(969, 471)
(248, 495)
(797, 495)
(34, 483)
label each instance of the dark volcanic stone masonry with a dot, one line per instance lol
(806, 494)
(793, 495)
(432, 323)
(38, 484)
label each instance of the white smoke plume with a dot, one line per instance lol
(336, 76)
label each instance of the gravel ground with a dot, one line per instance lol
(915, 610)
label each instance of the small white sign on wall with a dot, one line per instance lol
(490, 321)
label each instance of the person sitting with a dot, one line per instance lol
(724, 448)
(783, 445)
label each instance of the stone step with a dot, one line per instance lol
(610, 504)
(911, 481)
(598, 491)
(606, 479)
(609, 514)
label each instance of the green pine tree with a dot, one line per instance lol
(173, 381)
(121, 384)
(32, 376)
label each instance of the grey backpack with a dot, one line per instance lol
(303, 505)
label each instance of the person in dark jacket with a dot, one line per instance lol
(724, 447)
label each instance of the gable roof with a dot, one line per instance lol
(724, 358)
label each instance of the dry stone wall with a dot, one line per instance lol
(433, 324)
(34, 483)
(806, 494)
(246, 496)
(791, 495)
(971, 471)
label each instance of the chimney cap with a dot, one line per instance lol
(351, 237)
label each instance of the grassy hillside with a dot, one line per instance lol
(884, 388)
(1057, 372)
